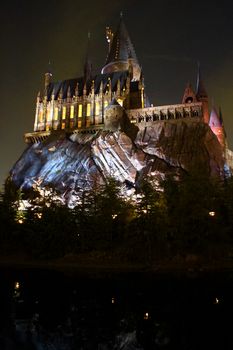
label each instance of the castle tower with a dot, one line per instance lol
(88, 65)
(189, 95)
(47, 78)
(202, 96)
(122, 55)
(216, 125)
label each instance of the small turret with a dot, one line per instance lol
(189, 95)
(48, 78)
(202, 96)
(88, 64)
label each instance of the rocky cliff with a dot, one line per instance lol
(68, 163)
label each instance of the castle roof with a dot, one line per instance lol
(122, 48)
(62, 87)
(200, 90)
(215, 119)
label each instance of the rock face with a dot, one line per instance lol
(68, 163)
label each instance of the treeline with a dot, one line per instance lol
(192, 216)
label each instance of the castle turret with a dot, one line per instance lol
(88, 65)
(48, 78)
(121, 55)
(216, 125)
(202, 96)
(189, 95)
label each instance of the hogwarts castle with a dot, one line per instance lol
(79, 104)
(94, 126)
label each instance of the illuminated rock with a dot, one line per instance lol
(80, 161)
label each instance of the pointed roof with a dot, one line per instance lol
(189, 95)
(122, 48)
(215, 119)
(200, 90)
(88, 64)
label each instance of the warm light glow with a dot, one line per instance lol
(20, 221)
(63, 126)
(56, 113)
(80, 111)
(97, 108)
(146, 316)
(16, 285)
(113, 300)
(71, 112)
(114, 216)
(105, 103)
(41, 116)
(211, 213)
(79, 123)
(216, 301)
(64, 113)
(120, 101)
(88, 110)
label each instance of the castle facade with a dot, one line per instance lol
(79, 105)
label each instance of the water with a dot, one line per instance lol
(54, 310)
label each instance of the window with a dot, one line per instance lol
(64, 113)
(71, 112)
(56, 113)
(71, 124)
(97, 108)
(79, 123)
(41, 116)
(105, 103)
(63, 125)
(88, 110)
(80, 111)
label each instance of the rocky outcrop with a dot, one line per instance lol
(68, 163)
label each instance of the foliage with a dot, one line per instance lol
(189, 216)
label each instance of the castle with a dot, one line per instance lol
(82, 105)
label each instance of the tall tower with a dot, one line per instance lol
(189, 95)
(88, 64)
(202, 96)
(121, 54)
(47, 78)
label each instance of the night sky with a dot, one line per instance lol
(169, 38)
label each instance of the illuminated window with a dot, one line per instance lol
(47, 127)
(120, 101)
(80, 110)
(56, 114)
(97, 108)
(71, 124)
(63, 125)
(88, 110)
(48, 115)
(105, 103)
(71, 112)
(64, 113)
(41, 116)
(79, 124)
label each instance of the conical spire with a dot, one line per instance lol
(215, 118)
(189, 95)
(200, 90)
(121, 53)
(88, 64)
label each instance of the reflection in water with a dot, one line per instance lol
(49, 310)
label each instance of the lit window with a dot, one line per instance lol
(105, 103)
(63, 125)
(47, 127)
(64, 113)
(97, 108)
(88, 110)
(48, 115)
(71, 112)
(79, 124)
(41, 116)
(56, 114)
(71, 124)
(80, 111)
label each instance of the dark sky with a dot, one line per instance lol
(169, 38)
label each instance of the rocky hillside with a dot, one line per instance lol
(68, 163)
